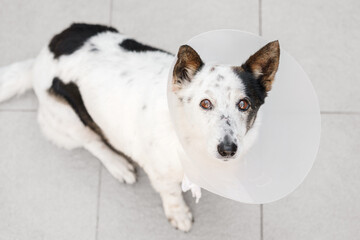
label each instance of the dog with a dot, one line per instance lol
(106, 92)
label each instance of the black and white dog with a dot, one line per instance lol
(106, 92)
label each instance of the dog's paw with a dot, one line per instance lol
(124, 172)
(180, 218)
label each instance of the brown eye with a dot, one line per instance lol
(243, 105)
(206, 104)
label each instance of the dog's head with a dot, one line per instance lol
(221, 102)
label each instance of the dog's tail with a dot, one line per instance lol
(15, 79)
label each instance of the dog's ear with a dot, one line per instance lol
(264, 64)
(188, 63)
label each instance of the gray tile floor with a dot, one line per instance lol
(50, 193)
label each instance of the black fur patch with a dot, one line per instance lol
(228, 122)
(253, 88)
(255, 92)
(74, 37)
(71, 94)
(134, 46)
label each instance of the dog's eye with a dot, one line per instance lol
(243, 105)
(206, 104)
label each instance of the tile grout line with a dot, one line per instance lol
(260, 17)
(261, 205)
(111, 10)
(339, 113)
(18, 110)
(98, 203)
(261, 222)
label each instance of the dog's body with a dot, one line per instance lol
(103, 91)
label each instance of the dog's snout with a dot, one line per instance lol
(227, 148)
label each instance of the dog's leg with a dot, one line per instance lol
(176, 210)
(117, 165)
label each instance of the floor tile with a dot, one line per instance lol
(26, 102)
(45, 192)
(135, 212)
(169, 24)
(326, 205)
(25, 27)
(324, 37)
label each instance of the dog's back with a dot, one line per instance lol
(120, 87)
(121, 83)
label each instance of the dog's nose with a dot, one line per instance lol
(227, 149)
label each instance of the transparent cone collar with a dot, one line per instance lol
(287, 138)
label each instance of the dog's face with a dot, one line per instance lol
(222, 102)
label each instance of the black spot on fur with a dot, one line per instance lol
(93, 48)
(189, 99)
(74, 37)
(220, 78)
(135, 46)
(144, 107)
(70, 94)
(228, 122)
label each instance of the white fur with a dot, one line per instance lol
(125, 94)
(15, 79)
